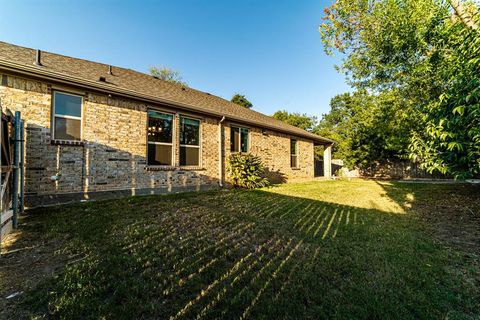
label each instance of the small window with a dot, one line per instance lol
(293, 153)
(239, 139)
(189, 142)
(67, 116)
(160, 133)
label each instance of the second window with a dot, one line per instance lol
(189, 142)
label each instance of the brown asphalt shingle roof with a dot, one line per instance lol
(142, 84)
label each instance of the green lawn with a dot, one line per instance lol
(323, 249)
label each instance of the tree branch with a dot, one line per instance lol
(464, 16)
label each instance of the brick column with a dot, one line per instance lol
(327, 161)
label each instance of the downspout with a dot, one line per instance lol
(220, 152)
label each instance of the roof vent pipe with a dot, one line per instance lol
(38, 59)
(110, 70)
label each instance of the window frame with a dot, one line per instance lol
(186, 116)
(232, 126)
(296, 166)
(172, 144)
(54, 115)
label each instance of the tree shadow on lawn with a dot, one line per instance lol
(451, 212)
(247, 254)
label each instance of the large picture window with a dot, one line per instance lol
(67, 116)
(160, 134)
(239, 139)
(293, 153)
(189, 142)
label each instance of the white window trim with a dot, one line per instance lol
(55, 115)
(200, 158)
(174, 131)
(189, 146)
(161, 143)
(59, 115)
(240, 144)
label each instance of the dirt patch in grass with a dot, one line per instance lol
(27, 259)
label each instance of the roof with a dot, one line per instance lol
(137, 85)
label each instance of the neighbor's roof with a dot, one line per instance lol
(137, 85)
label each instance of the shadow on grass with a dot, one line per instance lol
(451, 210)
(247, 254)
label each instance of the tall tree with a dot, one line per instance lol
(423, 52)
(368, 128)
(241, 100)
(167, 74)
(450, 142)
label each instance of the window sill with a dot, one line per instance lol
(191, 168)
(67, 142)
(173, 168)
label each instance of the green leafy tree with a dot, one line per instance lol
(299, 120)
(167, 74)
(241, 100)
(450, 142)
(423, 53)
(368, 128)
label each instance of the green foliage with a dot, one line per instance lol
(386, 42)
(241, 100)
(368, 128)
(167, 74)
(423, 56)
(450, 142)
(246, 171)
(299, 120)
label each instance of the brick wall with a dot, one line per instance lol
(274, 150)
(113, 155)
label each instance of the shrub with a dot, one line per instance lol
(246, 171)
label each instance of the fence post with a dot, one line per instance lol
(16, 149)
(22, 166)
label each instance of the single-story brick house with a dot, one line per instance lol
(95, 131)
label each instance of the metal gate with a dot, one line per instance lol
(12, 171)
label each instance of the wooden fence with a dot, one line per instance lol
(399, 170)
(390, 170)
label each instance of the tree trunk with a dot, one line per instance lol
(464, 16)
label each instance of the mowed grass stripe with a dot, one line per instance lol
(245, 273)
(219, 250)
(274, 257)
(317, 218)
(236, 268)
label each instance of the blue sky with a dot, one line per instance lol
(269, 50)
